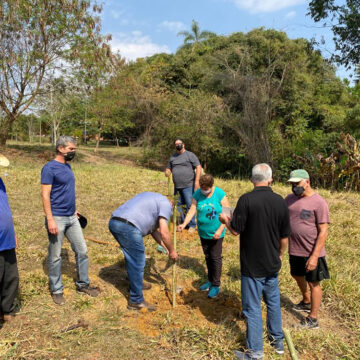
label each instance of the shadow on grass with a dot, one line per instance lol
(287, 305)
(234, 272)
(116, 275)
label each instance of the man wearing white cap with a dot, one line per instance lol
(309, 219)
(9, 276)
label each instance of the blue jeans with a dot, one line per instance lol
(251, 291)
(185, 198)
(132, 246)
(68, 226)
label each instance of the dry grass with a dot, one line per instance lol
(197, 328)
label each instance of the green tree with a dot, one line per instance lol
(345, 26)
(37, 36)
(195, 36)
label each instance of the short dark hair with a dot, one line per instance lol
(206, 180)
(176, 139)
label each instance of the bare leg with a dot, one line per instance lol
(316, 296)
(304, 288)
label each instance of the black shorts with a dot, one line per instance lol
(298, 268)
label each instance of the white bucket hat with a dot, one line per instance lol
(4, 161)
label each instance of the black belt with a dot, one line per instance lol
(123, 220)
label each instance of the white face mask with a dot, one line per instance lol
(206, 192)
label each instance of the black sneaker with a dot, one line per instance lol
(143, 305)
(301, 306)
(89, 290)
(277, 344)
(309, 323)
(58, 299)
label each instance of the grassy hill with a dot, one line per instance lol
(198, 328)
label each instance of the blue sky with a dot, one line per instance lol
(142, 28)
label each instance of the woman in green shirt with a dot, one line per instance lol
(207, 203)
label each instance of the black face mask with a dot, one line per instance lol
(179, 147)
(298, 190)
(69, 156)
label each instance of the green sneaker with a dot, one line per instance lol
(161, 249)
(205, 287)
(214, 292)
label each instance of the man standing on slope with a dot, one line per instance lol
(9, 276)
(261, 218)
(182, 165)
(309, 219)
(58, 197)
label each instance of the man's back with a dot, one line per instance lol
(261, 217)
(144, 210)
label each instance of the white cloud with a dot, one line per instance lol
(290, 15)
(174, 26)
(258, 6)
(136, 45)
(116, 14)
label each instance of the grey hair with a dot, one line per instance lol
(64, 140)
(261, 172)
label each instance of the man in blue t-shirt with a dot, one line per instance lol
(142, 215)
(9, 276)
(58, 197)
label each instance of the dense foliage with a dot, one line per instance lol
(344, 18)
(235, 100)
(39, 38)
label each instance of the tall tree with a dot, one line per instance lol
(37, 36)
(345, 25)
(195, 35)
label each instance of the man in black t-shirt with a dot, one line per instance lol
(261, 218)
(182, 165)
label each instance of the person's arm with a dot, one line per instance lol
(226, 221)
(165, 236)
(168, 168)
(157, 237)
(198, 170)
(283, 246)
(45, 196)
(223, 202)
(312, 262)
(190, 214)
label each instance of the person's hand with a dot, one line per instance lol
(16, 242)
(312, 263)
(174, 255)
(180, 227)
(217, 235)
(52, 227)
(223, 218)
